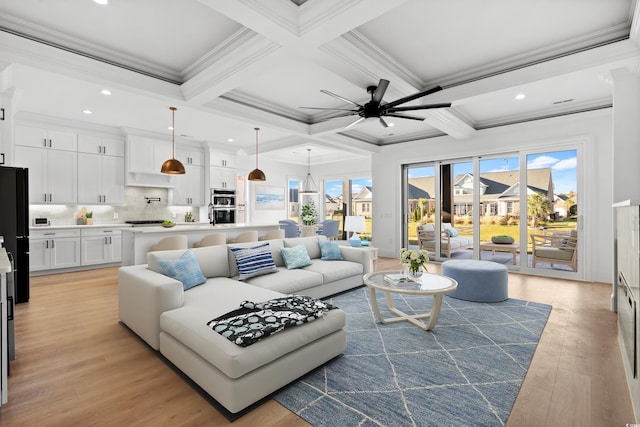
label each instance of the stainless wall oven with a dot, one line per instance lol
(222, 206)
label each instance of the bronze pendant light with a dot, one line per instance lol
(173, 166)
(257, 174)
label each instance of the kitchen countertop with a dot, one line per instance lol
(197, 227)
(117, 225)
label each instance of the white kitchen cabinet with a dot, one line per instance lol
(224, 178)
(50, 250)
(100, 179)
(146, 155)
(101, 246)
(53, 174)
(221, 160)
(45, 138)
(190, 156)
(104, 145)
(189, 189)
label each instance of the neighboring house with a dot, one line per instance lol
(332, 204)
(499, 191)
(362, 202)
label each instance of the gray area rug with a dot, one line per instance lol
(466, 372)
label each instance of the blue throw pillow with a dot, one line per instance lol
(329, 250)
(295, 257)
(184, 269)
(452, 232)
(254, 261)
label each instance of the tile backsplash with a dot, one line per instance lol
(136, 207)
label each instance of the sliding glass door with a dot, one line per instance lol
(490, 208)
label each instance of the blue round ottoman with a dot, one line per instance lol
(479, 281)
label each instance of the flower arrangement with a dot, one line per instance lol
(308, 214)
(414, 259)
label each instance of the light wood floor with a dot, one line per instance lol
(76, 365)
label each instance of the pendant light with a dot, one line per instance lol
(257, 174)
(309, 185)
(173, 165)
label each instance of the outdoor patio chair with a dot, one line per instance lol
(555, 248)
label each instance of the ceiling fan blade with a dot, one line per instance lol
(335, 117)
(354, 123)
(329, 109)
(340, 97)
(383, 123)
(414, 96)
(404, 116)
(418, 107)
(380, 90)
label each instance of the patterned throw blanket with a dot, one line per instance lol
(253, 321)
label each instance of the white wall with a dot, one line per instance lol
(278, 175)
(592, 129)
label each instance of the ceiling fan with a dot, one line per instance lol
(378, 109)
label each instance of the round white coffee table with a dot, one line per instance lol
(427, 284)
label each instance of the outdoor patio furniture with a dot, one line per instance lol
(450, 240)
(555, 248)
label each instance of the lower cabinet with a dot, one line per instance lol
(101, 246)
(50, 250)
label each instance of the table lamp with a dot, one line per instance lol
(354, 224)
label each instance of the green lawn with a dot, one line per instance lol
(489, 230)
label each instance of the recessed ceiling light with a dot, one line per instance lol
(170, 128)
(230, 140)
(87, 111)
(391, 124)
(101, 2)
(105, 92)
(520, 96)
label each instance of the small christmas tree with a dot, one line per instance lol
(308, 214)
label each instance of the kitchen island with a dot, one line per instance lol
(136, 241)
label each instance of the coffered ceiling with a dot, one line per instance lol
(231, 66)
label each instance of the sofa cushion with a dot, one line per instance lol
(211, 259)
(311, 243)
(295, 257)
(333, 271)
(254, 261)
(184, 269)
(274, 246)
(289, 281)
(329, 250)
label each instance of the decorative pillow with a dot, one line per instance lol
(254, 261)
(452, 232)
(295, 257)
(184, 269)
(330, 250)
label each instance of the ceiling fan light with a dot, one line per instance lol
(173, 166)
(256, 174)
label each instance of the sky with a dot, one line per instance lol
(562, 163)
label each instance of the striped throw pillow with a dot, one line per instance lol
(254, 261)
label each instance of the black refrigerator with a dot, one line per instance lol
(14, 224)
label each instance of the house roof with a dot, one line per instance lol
(498, 184)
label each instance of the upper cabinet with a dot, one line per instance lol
(103, 145)
(100, 170)
(45, 138)
(223, 160)
(53, 174)
(190, 156)
(146, 155)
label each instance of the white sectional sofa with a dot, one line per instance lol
(174, 321)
